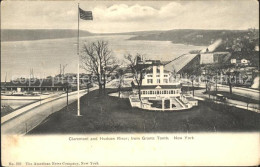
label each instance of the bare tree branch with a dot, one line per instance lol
(97, 59)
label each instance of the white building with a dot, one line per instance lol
(245, 61)
(159, 91)
(214, 57)
(240, 62)
(233, 61)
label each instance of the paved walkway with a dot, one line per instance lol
(239, 104)
(28, 118)
(246, 92)
(28, 107)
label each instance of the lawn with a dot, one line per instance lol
(6, 110)
(112, 114)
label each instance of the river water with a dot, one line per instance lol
(45, 56)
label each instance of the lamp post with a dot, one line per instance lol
(67, 96)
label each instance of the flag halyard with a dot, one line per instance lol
(85, 15)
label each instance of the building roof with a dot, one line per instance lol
(37, 83)
(222, 53)
(158, 86)
(180, 62)
(153, 62)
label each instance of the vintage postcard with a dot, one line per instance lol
(130, 83)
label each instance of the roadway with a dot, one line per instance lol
(249, 106)
(246, 92)
(27, 120)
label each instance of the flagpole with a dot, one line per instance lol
(78, 114)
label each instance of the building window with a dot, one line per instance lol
(158, 80)
(157, 92)
(171, 91)
(165, 75)
(149, 81)
(149, 75)
(157, 75)
(165, 80)
(151, 92)
(177, 91)
(164, 92)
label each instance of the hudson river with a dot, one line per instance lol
(45, 56)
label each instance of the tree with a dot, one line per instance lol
(120, 81)
(192, 72)
(97, 59)
(231, 75)
(138, 70)
(208, 72)
(229, 80)
(216, 70)
(248, 100)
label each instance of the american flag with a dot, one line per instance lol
(85, 15)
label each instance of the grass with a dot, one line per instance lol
(112, 114)
(6, 110)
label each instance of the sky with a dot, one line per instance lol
(128, 16)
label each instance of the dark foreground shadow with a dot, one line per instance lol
(106, 114)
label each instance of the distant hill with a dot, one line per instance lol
(132, 33)
(37, 34)
(190, 36)
(183, 36)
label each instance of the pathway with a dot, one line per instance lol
(35, 114)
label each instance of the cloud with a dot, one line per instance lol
(119, 16)
(122, 12)
(199, 15)
(171, 10)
